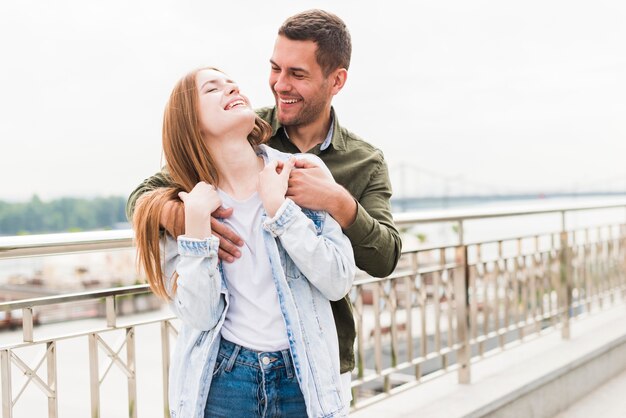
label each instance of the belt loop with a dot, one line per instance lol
(233, 357)
(287, 360)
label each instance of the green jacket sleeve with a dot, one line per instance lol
(375, 239)
(160, 179)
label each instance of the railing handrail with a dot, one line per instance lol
(70, 242)
(51, 244)
(74, 297)
(455, 215)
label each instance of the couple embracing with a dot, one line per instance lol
(254, 228)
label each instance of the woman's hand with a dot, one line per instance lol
(199, 203)
(273, 182)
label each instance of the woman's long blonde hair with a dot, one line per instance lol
(189, 161)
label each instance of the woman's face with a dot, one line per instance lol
(223, 110)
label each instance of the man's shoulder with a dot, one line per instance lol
(265, 113)
(356, 145)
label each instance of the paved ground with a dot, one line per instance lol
(607, 401)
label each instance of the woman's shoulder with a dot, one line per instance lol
(273, 154)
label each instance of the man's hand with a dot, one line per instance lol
(311, 187)
(173, 220)
(229, 240)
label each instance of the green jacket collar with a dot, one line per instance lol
(270, 115)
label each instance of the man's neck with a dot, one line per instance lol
(307, 136)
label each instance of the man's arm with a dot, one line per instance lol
(368, 222)
(160, 179)
(375, 239)
(173, 217)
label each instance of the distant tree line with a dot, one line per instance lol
(61, 215)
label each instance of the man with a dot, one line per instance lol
(309, 66)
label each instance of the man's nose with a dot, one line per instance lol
(281, 83)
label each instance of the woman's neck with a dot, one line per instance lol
(238, 167)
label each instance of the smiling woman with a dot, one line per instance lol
(258, 334)
(224, 111)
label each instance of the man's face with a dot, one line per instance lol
(301, 90)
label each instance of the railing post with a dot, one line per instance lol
(621, 259)
(566, 290)
(51, 363)
(27, 324)
(165, 351)
(132, 379)
(7, 391)
(110, 311)
(94, 376)
(461, 282)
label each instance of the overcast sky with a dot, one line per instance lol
(476, 95)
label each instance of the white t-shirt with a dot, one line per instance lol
(254, 319)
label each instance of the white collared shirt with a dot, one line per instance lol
(329, 135)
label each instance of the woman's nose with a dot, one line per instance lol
(232, 88)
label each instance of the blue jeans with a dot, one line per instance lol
(248, 383)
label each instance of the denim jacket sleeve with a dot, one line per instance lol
(326, 259)
(197, 300)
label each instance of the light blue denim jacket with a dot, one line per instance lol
(312, 262)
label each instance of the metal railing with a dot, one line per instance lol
(448, 306)
(443, 308)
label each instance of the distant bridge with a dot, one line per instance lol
(403, 204)
(410, 180)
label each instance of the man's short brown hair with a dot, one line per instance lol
(328, 31)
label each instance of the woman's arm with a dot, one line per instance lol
(193, 280)
(196, 294)
(326, 260)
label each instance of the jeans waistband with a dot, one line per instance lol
(266, 360)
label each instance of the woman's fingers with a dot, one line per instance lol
(279, 166)
(288, 166)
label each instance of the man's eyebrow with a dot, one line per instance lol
(291, 68)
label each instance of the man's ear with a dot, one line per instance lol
(338, 79)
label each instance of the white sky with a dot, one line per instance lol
(503, 95)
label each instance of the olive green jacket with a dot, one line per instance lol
(361, 169)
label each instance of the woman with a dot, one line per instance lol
(258, 336)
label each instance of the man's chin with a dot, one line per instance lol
(285, 120)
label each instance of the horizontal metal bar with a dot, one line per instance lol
(455, 215)
(74, 297)
(403, 366)
(86, 332)
(51, 244)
